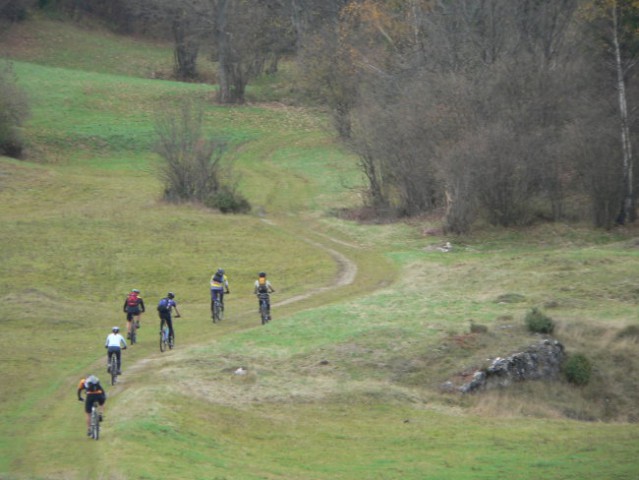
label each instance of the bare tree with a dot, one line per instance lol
(192, 162)
(245, 37)
(614, 22)
(483, 87)
(185, 21)
(193, 168)
(15, 10)
(246, 34)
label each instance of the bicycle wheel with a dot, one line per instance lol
(263, 312)
(216, 312)
(95, 422)
(134, 333)
(162, 340)
(114, 369)
(171, 340)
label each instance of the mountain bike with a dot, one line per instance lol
(113, 368)
(166, 339)
(133, 334)
(94, 426)
(264, 310)
(217, 313)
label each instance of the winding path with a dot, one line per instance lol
(345, 276)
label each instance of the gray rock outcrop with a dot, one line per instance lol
(540, 361)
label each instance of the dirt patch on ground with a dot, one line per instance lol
(345, 276)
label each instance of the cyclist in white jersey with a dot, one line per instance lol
(114, 344)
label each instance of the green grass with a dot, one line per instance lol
(344, 383)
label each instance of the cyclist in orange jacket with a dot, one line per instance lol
(94, 393)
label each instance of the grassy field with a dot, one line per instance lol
(344, 383)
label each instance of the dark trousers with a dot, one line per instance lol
(165, 317)
(215, 293)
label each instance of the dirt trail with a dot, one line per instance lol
(345, 276)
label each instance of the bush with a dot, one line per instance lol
(193, 169)
(477, 328)
(228, 200)
(578, 369)
(13, 111)
(538, 322)
(630, 332)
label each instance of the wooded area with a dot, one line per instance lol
(505, 111)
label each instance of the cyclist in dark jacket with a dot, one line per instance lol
(134, 308)
(94, 393)
(164, 311)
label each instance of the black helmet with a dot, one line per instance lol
(262, 274)
(170, 295)
(115, 329)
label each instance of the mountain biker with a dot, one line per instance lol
(164, 311)
(219, 286)
(113, 343)
(262, 289)
(134, 308)
(94, 393)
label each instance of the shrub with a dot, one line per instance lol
(227, 200)
(538, 322)
(13, 111)
(477, 328)
(630, 332)
(578, 369)
(193, 168)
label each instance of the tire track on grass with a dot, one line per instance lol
(346, 276)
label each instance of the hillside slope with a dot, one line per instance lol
(369, 320)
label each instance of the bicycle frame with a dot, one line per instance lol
(95, 422)
(264, 310)
(114, 368)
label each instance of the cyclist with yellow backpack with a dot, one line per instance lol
(219, 286)
(262, 289)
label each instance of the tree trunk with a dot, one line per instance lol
(224, 61)
(626, 214)
(185, 50)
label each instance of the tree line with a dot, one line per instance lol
(498, 111)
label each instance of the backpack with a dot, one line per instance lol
(92, 387)
(132, 300)
(261, 287)
(163, 305)
(218, 277)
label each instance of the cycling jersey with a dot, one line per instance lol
(218, 283)
(115, 340)
(83, 385)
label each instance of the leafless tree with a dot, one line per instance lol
(246, 35)
(192, 165)
(471, 110)
(614, 25)
(15, 10)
